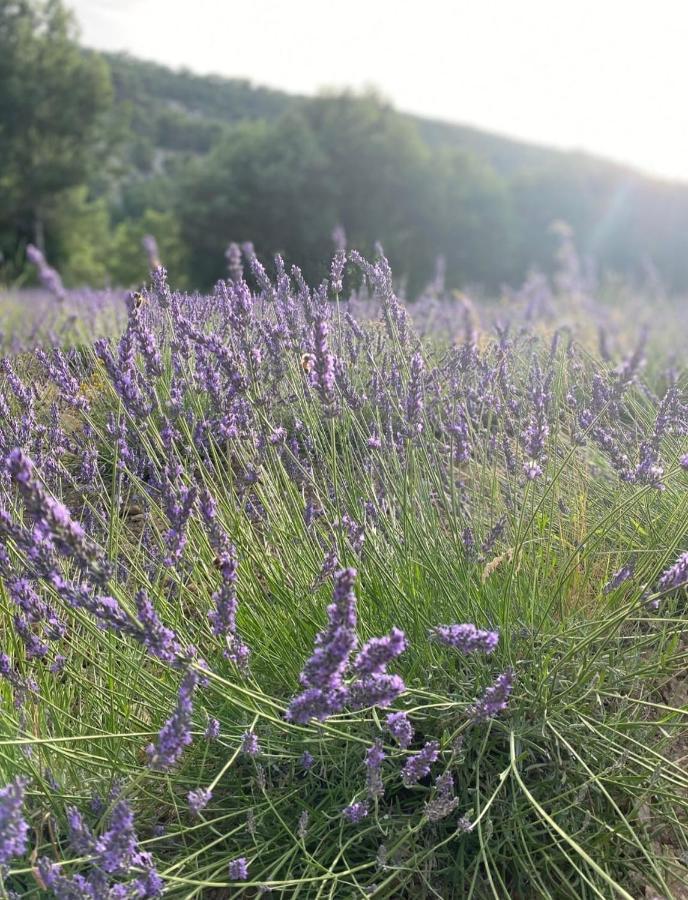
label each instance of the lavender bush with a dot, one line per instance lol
(310, 591)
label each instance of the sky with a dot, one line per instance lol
(608, 77)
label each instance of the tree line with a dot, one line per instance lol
(99, 150)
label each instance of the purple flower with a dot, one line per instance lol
(375, 690)
(683, 461)
(495, 698)
(377, 653)
(623, 574)
(676, 575)
(175, 734)
(316, 704)
(250, 744)
(223, 616)
(238, 869)
(58, 664)
(375, 756)
(81, 838)
(234, 266)
(418, 766)
(212, 730)
(355, 812)
(322, 675)
(199, 799)
(399, 726)
(117, 847)
(55, 521)
(323, 374)
(13, 826)
(307, 760)
(444, 802)
(466, 638)
(159, 640)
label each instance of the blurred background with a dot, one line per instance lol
(446, 129)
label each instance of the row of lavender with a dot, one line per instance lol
(272, 430)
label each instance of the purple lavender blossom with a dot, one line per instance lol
(400, 727)
(175, 734)
(375, 756)
(375, 690)
(238, 869)
(323, 673)
(198, 800)
(338, 260)
(377, 653)
(250, 744)
(212, 730)
(323, 374)
(444, 802)
(418, 766)
(223, 616)
(619, 577)
(117, 847)
(355, 812)
(307, 760)
(466, 638)
(55, 520)
(13, 826)
(683, 461)
(81, 838)
(495, 698)
(675, 576)
(158, 640)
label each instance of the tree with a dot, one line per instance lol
(265, 183)
(53, 102)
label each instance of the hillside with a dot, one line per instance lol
(99, 150)
(621, 218)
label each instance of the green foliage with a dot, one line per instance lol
(52, 107)
(79, 234)
(235, 161)
(269, 183)
(128, 265)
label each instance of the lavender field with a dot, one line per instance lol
(307, 591)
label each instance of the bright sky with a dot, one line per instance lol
(606, 76)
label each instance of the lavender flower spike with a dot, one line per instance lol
(675, 576)
(376, 655)
(198, 800)
(495, 698)
(375, 756)
(176, 732)
(238, 869)
(250, 744)
(323, 673)
(418, 766)
(355, 812)
(400, 727)
(13, 826)
(466, 638)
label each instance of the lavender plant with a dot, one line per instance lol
(322, 593)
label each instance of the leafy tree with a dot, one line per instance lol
(79, 231)
(52, 106)
(265, 183)
(128, 265)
